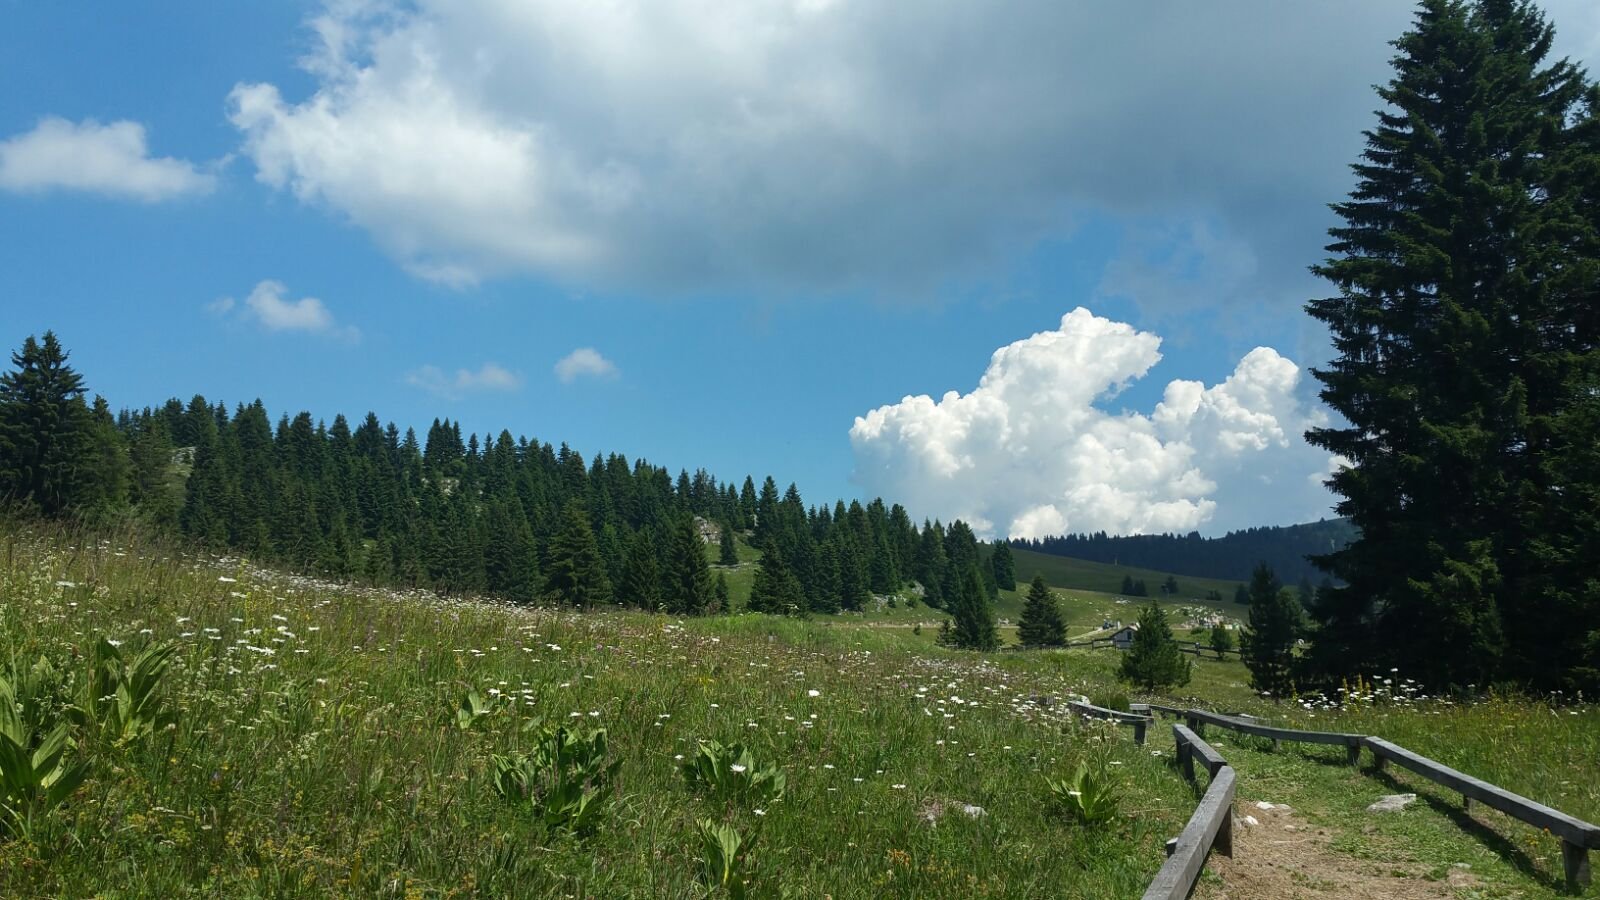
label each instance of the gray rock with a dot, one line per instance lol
(1392, 803)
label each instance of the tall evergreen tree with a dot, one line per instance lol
(776, 591)
(972, 616)
(1268, 647)
(728, 554)
(577, 574)
(1004, 566)
(1466, 269)
(1153, 662)
(686, 577)
(641, 579)
(1041, 624)
(44, 429)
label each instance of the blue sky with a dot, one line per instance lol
(761, 221)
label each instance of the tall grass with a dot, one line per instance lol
(319, 748)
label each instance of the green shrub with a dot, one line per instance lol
(1090, 796)
(36, 775)
(723, 852)
(730, 773)
(563, 779)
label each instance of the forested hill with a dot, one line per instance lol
(511, 516)
(1230, 557)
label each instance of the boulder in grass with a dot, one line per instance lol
(1392, 803)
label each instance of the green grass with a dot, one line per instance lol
(317, 752)
(333, 765)
(1066, 573)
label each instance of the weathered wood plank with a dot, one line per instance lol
(1189, 746)
(1188, 857)
(1138, 722)
(1200, 716)
(1574, 831)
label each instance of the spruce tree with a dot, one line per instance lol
(577, 575)
(973, 624)
(1004, 566)
(1464, 327)
(1268, 647)
(1041, 624)
(728, 554)
(721, 599)
(641, 578)
(776, 591)
(1153, 662)
(686, 577)
(44, 429)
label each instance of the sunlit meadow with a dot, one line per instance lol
(326, 742)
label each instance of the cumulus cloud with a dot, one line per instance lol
(269, 306)
(584, 362)
(110, 159)
(835, 145)
(489, 377)
(1031, 452)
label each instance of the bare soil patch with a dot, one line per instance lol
(1285, 858)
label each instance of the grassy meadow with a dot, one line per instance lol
(317, 748)
(331, 740)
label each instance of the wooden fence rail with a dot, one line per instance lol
(1577, 836)
(1351, 742)
(1210, 828)
(1139, 722)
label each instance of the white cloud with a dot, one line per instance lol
(87, 156)
(1029, 453)
(834, 145)
(269, 307)
(489, 377)
(582, 362)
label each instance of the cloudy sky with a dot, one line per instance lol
(1038, 264)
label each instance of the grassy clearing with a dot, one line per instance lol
(318, 752)
(1063, 572)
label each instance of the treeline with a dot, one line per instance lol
(509, 516)
(1232, 557)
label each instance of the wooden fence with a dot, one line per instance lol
(1577, 836)
(1138, 721)
(1210, 828)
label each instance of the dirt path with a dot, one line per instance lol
(1282, 857)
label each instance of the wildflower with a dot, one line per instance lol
(739, 770)
(813, 693)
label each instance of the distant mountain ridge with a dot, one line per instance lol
(1283, 547)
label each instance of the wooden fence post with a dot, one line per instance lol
(1224, 842)
(1576, 862)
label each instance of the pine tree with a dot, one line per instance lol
(641, 578)
(1153, 662)
(44, 429)
(721, 599)
(577, 575)
(728, 555)
(1464, 326)
(1041, 624)
(1003, 566)
(1275, 626)
(1221, 639)
(686, 577)
(776, 591)
(973, 624)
